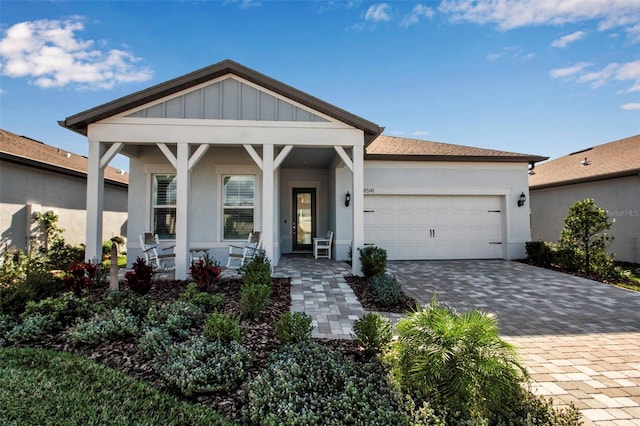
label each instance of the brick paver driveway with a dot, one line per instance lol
(580, 339)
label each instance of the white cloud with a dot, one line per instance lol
(244, 4)
(378, 12)
(420, 133)
(48, 52)
(510, 14)
(631, 106)
(418, 12)
(512, 52)
(569, 71)
(564, 41)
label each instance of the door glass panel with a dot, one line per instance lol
(304, 223)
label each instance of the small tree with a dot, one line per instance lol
(583, 232)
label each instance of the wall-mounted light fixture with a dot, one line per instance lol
(347, 199)
(522, 199)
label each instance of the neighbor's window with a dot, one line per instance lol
(238, 199)
(164, 206)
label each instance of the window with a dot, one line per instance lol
(238, 199)
(164, 206)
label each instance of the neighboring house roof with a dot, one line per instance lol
(611, 160)
(79, 122)
(29, 152)
(395, 148)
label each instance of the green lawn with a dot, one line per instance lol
(40, 387)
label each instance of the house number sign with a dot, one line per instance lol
(369, 190)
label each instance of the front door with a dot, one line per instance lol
(304, 218)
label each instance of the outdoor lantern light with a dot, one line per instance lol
(522, 199)
(347, 199)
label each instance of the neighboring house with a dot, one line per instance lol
(608, 173)
(225, 149)
(36, 178)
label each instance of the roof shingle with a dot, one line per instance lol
(614, 159)
(391, 147)
(21, 147)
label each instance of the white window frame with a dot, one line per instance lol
(154, 206)
(224, 207)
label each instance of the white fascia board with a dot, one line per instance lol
(205, 132)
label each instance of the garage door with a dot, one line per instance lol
(413, 227)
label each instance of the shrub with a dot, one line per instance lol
(36, 285)
(373, 260)
(177, 317)
(63, 309)
(584, 231)
(80, 276)
(154, 342)
(294, 327)
(207, 301)
(306, 384)
(61, 255)
(205, 272)
(257, 271)
(129, 300)
(540, 253)
(7, 323)
(384, 290)
(523, 408)
(33, 327)
(197, 366)
(222, 327)
(106, 327)
(457, 361)
(253, 299)
(141, 278)
(373, 333)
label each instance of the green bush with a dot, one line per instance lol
(253, 299)
(198, 366)
(306, 384)
(154, 342)
(294, 327)
(36, 285)
(222, 327)
(540, 253)
(64, 309)
(373, 333)
(34, 327)
(523, 408)
(258, 271)
(60, 255)
(105, 327)
(384, 290)
(207, 301)
(129, 300)
(177, 317)
(7, 323)
(205, 272)
(373, 260)
(456, 361)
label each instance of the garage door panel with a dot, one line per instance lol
(435, 227)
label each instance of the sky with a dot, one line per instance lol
(543, 77)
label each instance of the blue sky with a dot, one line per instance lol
(544, 77)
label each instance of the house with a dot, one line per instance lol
(608, 173)
(35, 177)
(225, 149)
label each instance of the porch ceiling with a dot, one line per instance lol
(309, 158)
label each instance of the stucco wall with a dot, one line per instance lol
(508, 180)
(25, 190)
(620, 197)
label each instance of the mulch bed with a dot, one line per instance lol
(592, 276)
(259, 338)
(359, 286)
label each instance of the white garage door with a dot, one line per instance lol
(413, 227)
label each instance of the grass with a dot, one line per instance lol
(51, 388)
(633, 271)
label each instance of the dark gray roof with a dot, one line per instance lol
(79, 122)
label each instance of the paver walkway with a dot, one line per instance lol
(579, 339)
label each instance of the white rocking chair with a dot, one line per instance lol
(239, 255)
(162, 262)
(322, 246)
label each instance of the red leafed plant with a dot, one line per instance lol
(205, 272)
(140, 279)
(80, 275)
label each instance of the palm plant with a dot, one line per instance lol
(456, 361)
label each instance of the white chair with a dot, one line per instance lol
(239, 255)
(162, 261)
(322, 246)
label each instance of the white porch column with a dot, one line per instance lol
(182, 211)
(358, 208)
(95, 201)
(267, 200)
